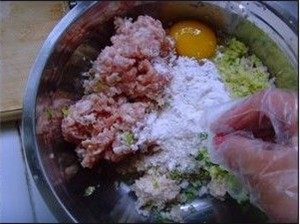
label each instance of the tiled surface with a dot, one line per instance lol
(20, 200)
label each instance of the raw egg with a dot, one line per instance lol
(194, 39)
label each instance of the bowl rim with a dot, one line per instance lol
(28, 134)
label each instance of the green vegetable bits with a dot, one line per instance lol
(49, 113)
(217, 173)
(65, 111)
(128, 137)
(175, 175)
(203, 157)
(242, 73)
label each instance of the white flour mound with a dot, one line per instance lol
(194, 88)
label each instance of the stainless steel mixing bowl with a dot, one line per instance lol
(55, 76)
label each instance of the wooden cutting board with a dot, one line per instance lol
(24, 26)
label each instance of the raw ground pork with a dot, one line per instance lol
(122, 86)
(50, 112)
(125, 67)
(96, 123)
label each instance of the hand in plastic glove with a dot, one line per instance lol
(256, 139)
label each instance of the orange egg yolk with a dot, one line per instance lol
(194, 39)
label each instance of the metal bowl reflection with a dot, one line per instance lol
(55, 81)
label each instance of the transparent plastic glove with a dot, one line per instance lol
(270, 114)
(257, 140)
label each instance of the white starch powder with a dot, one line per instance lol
(194, 87)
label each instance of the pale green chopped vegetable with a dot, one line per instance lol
(280, 65)
(128, 137)
(203, 157)
(242, 73)
(175, 175)
(49, 113)
(190, 193)
(65, 111)
(218, 173)
(89, 191)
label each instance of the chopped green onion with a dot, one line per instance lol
(218, 173)
(203, 156)
(190, 193)
(175, 175)
(49, 113)
(128, 137)
(243, 74)
(65, 111)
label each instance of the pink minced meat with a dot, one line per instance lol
(125, 67)
(93, 123)
(123, 85)
(50, 113)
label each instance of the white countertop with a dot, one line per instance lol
(20, 200)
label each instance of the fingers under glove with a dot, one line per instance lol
(268, 170)
(239, 152)
(270, 114)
